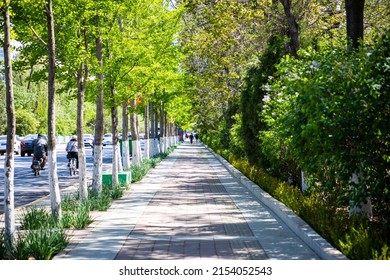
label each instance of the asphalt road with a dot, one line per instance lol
(29, 188)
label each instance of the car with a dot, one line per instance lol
(128, 136)
(88, 140)
(27, 144)
(107, 139)
(3, 144)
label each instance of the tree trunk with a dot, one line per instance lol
(157, 138)
(167, 131)
(98, 144)
(125, 137)
(82, 76)
(162, 129)
(115, 141)
(136, 147)
(293, 28)
(147, 131)
(9, 164)
(355, 16)
(55, 195)
(152, 130)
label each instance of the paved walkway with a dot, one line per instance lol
(189, 207)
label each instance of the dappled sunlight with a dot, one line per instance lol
(191, 207)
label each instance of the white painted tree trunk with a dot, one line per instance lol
(125, 139)
(83, 183)
(158, 145)
(137, 154)
(305, 186)
(9, 163)
(97, 168)
(147, 132)
(9, 205)
(115, 164)
(55, 194)
(120, 165)
(125, 155)
(150, 142)
(365, 208)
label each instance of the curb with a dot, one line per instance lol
(316, 242)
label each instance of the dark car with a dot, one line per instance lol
(27, 144)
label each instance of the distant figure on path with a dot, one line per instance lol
(191, 137)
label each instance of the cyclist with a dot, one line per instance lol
(72, 150)
(40, 150)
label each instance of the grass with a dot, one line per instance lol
(40, 237)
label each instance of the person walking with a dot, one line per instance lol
(191, 137)
(72, 150)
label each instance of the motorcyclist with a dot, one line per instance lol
(40, 150)
(72, 150)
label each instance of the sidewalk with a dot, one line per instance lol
(191, 206)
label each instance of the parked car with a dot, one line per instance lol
(128, 136)
(26, 145)
(3, 144)
(88, 140)
(107, 139)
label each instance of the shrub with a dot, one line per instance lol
(36, 218)
(41, 244)
(354, 236)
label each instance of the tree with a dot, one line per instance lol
(55, 196)
(218, 38)
(74, 23)
(34, 25)
(11, 131)
(98, 145)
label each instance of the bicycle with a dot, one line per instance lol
(36, 166)
(72, 166)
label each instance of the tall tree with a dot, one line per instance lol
(73, 26)
(98, 144)
(55, 196)
(11, 131)
(35, 31)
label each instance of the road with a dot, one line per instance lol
(29, 188)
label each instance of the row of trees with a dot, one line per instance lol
(300, 89)
(241, 62)
(114, 54)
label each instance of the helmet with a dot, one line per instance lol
(74, 137)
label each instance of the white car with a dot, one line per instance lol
(88, 140)
(3, 144)
(107, 139)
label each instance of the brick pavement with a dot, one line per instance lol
(188, 207)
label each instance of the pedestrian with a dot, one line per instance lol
(196, 137)
(40, 150)
(191, 137)
(72, 150)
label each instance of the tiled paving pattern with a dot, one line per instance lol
(188, 207)
(199, 220)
